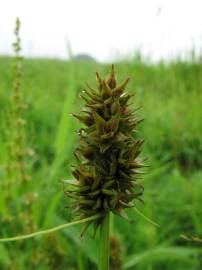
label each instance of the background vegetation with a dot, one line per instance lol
(171, 97)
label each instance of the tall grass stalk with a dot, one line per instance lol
(18, 107)
(62, 145)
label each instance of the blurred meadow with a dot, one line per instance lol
(170, 97)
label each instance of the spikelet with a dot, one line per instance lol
(107, 155)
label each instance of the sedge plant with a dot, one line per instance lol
(107, 162)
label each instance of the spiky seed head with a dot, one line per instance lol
(107, 154)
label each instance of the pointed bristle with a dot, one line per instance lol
(99, 80)
(111, 80)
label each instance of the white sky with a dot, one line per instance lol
(103, 28)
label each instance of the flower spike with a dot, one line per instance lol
(108, 163)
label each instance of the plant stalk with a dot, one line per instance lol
(103, 263)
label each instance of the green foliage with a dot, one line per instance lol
(171, 94)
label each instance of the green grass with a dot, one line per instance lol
(171, 98)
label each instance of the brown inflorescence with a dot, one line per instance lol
(108, 163)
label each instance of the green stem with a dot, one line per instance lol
(112, 230)
(103, 263)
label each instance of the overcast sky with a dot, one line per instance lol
(104, 29)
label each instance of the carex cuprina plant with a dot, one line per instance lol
(108, 164)
(107, 158)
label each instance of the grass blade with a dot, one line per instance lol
(57, 228)
(164, 252)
